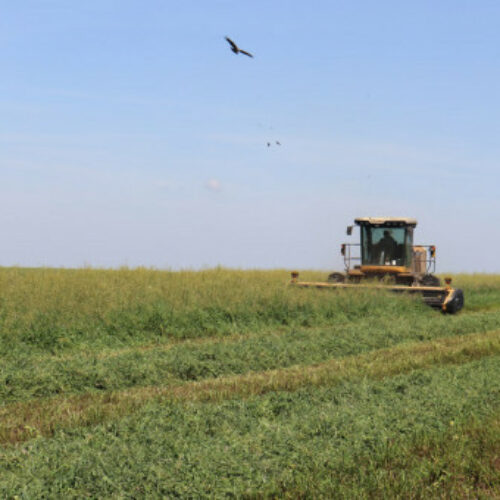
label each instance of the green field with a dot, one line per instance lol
(144, 383)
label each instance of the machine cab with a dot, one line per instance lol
(386, 243)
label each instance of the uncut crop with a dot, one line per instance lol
(123, 383)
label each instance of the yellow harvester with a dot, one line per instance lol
(387, 256)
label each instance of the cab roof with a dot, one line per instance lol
(385, 221)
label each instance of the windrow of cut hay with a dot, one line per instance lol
(316, 441)
(45, 416)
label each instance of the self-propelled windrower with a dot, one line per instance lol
(386, 258)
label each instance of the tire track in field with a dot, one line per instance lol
(23, 421)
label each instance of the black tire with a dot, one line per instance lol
(456, 303)
(336, 278)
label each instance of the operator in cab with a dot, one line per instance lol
(388, 246)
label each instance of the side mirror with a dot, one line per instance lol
(349, 230)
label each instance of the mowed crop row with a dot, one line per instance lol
(38, 375)
(44, 417)
(426, 433)
(215, 380)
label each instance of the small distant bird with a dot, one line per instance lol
(236, 49)
(268, 144)
(278, 143)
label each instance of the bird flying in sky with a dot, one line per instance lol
(236, 49)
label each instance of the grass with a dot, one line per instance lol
(228, 383)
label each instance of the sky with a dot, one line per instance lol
(130, 134)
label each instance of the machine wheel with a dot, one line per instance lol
(456, 303)
(430, 280)
(336, 278)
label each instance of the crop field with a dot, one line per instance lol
(226, 383)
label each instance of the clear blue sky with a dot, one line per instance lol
(131, 135)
